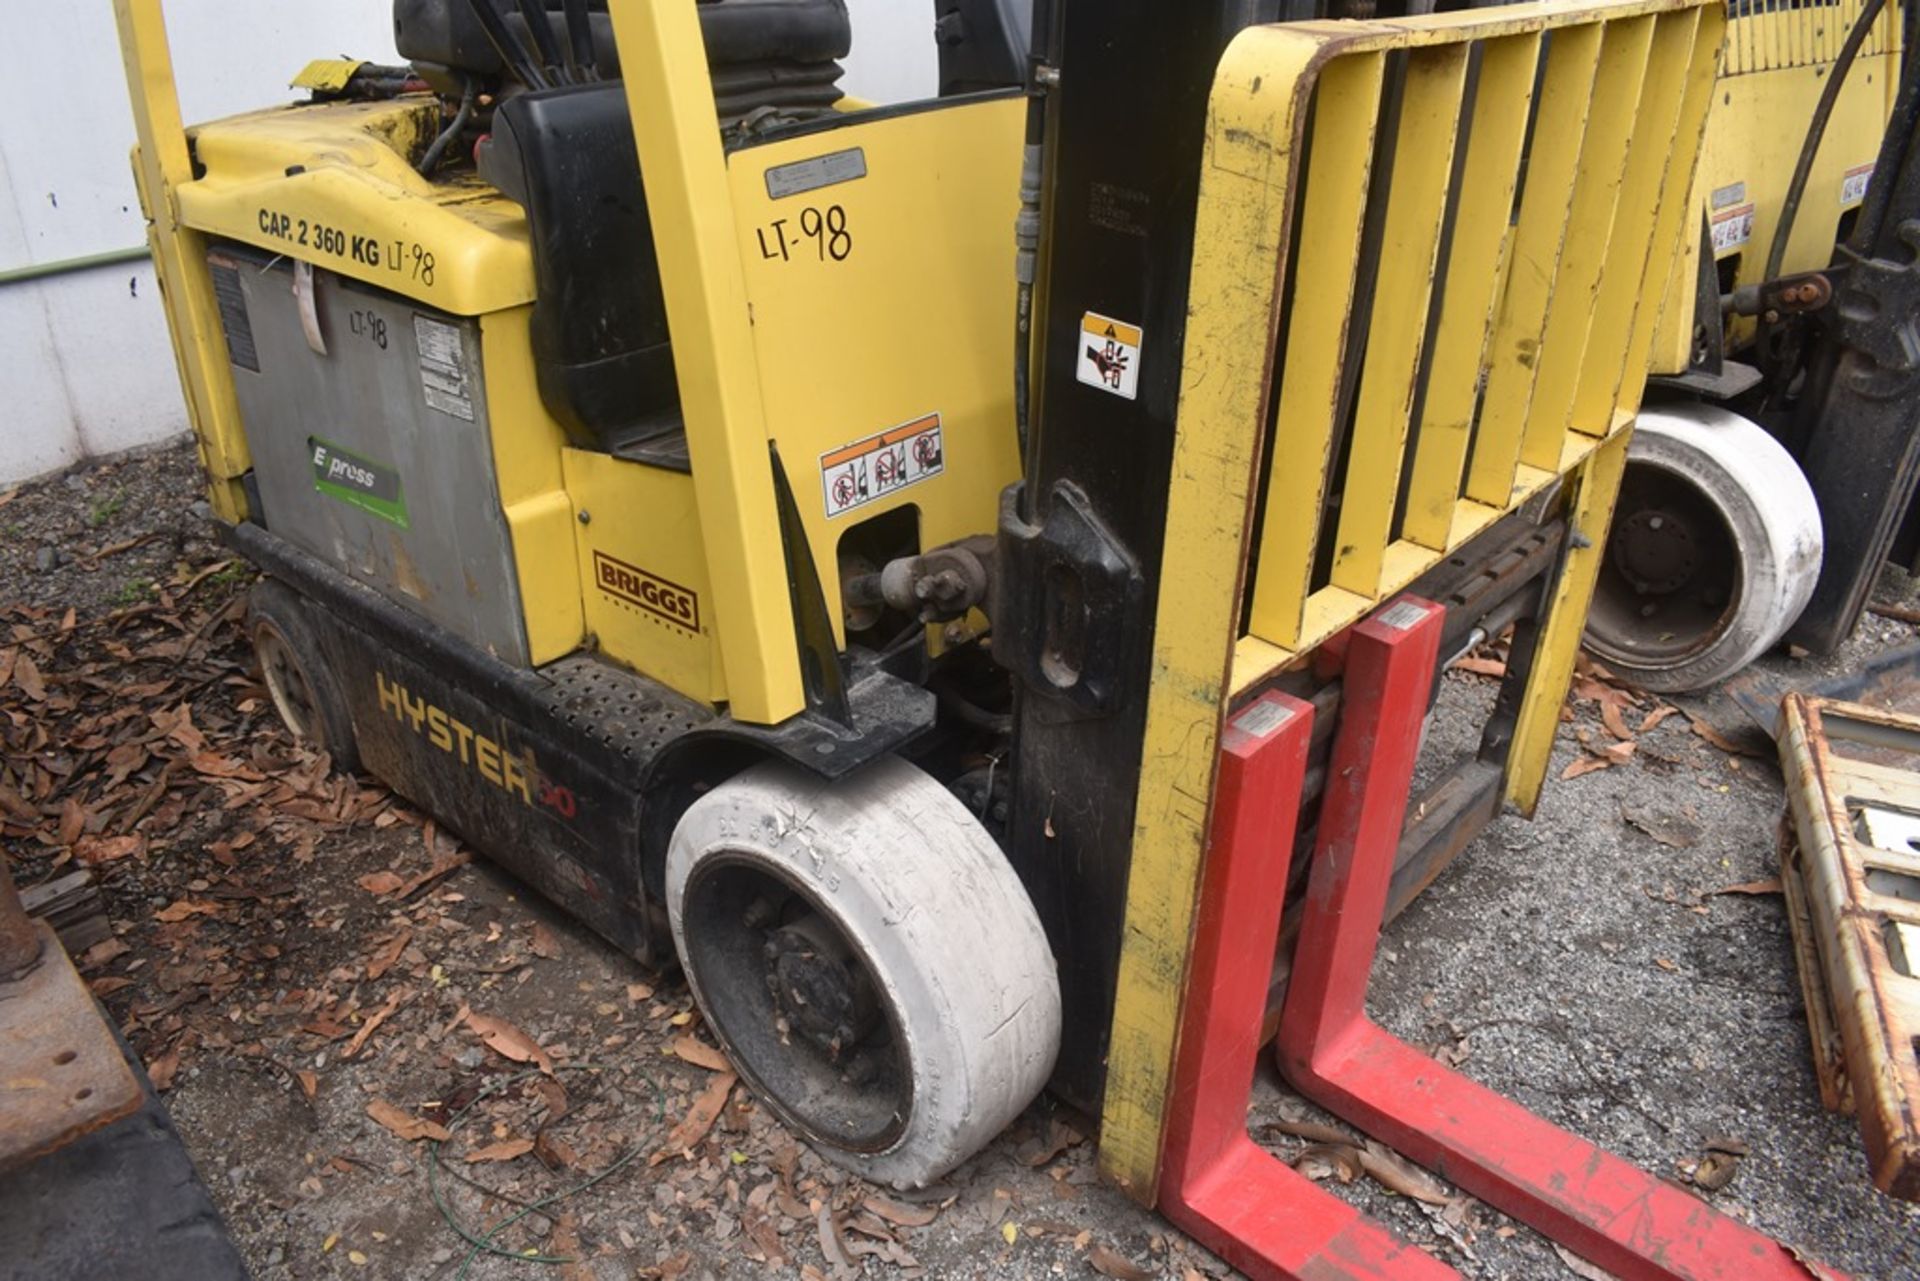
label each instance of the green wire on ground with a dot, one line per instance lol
(484, 1244)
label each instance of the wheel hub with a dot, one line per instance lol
(817, 987)
(1655, 551)
(286, 683)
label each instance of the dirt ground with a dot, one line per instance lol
(351, 1021)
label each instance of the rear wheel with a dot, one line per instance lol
(1715, 548)
(297, 676)
(868, 960)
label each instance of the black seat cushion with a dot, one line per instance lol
(445, 32)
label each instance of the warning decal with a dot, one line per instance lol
(1853, 183)
(1732, 228)
(868, 470)
(1110, 355)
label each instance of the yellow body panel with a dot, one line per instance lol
(915, 320)
(645, 570)
(534, 493)
(1249, 176)
(1775, 68)
(701, 277)
(356, 206)
(329, 75)
(160, 164)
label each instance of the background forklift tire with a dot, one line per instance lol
(1715, 548)
(297, 676)
(868, 959)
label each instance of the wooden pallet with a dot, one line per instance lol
(1851, 872)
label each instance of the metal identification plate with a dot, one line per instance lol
(820, 171)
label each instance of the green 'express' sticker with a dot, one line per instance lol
(372, 487)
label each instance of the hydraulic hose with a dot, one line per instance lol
(461, 119)
(507, 43)
(582, 63)
(1816, 131)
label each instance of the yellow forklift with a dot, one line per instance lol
(1760, 502)
(822, 543)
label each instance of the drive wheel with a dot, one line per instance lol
(1715, 548)
(868, 960)
(296, 674)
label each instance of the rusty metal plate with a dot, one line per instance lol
(61, 1071)
(1853, 879)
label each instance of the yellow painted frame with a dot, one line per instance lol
(1251, 172)
(161, 164)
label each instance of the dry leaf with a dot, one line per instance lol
(309, 1084)
(506, 1151)
(27, 677)
(1674, 830)
(1666, 965)
(1718, 739)
(505, 1039)
(1654, 717)
(638, 992)
(1110, 1264)
(901, 1214)
(381, 883)
(73, 822)
(1481, 666)
(1769, 886)
(1389, 1169)
(1319, 1161)
(185, 908)
(403, 1124)
(1581, 1268)
(161, 1070)
(1615, 721)
(699, 1119)
(1311, 1131)
(394, 1000)
(830, 1243)
(93, 850)
(691, 1050)
(1586, 765)
(384, 959)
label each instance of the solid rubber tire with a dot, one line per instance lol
(930, 903)
(1766, 502)
(275, 605)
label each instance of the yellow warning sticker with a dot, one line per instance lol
(868, 470)
(1110, 355)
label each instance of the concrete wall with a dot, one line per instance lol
(84, 357)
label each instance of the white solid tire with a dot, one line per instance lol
(926, 897)
(1768, 507)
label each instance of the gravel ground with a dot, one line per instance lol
(1576, 963)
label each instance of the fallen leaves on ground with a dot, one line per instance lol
(689, 1049)
(1110, 1263)
(405, 1125)
(508, 1041)
(699, 1119)
(507, 1150)
(1770, 885)
(1678, 830)
(1580, 1267)
(1718, 1163)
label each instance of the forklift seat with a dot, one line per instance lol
(566, 155)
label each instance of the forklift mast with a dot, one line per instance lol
(1123, 134)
